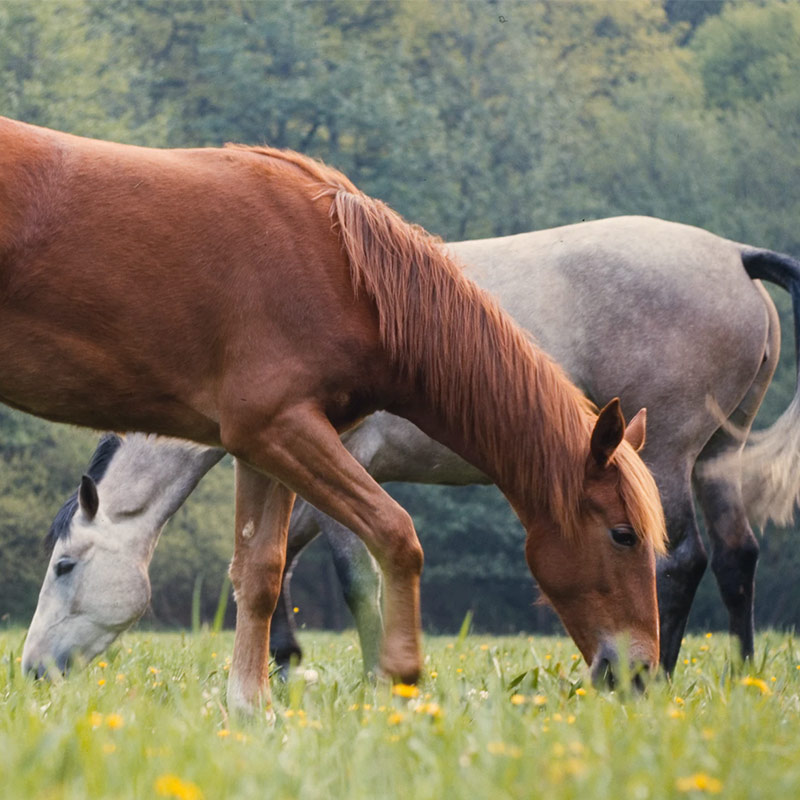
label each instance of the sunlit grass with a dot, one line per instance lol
(493, 717)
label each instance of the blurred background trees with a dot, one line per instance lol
(473, 118)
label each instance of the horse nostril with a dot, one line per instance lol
(640, 670)
(603, 674)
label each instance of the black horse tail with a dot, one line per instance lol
(770, 460)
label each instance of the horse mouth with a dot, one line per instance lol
(46, 669)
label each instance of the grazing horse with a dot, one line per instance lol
(702, 327)
(254, 299)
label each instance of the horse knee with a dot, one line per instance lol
(256, 586)
(400, 550)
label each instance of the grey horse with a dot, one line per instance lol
(664, 315)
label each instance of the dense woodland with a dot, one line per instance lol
(474, 119)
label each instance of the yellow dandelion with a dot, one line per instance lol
(101, 682)
(675, 713)
(115, 721)
(679, 700)
(704, 648)
(539, 699)
(288, 713)
(571, 719)
(760, 684)
(557, 717)
(435, 674)
(458, 669)
(405, 690)
(484, 647)
(548, 656)
(296, 610)
(518, 699)
(709, 635)
(395, 718)
(580, 691)
(699, 782)
(686, 661)
(102, 664)
(95, 719)
(773, 679)
(120, 677)
(575, 656)
(224, 733)
(172, 786)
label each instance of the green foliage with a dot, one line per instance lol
(471, 118)
(495, 718)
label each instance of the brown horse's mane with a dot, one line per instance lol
(526, 418)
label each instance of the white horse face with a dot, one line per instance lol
(96, 586)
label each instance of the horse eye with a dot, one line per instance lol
(64, 566)
(624, 537)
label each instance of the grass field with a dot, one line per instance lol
(494, 717)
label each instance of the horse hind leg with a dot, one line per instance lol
(734, 547)
(302, 449)
(680, 572)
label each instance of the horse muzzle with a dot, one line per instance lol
(608, 672)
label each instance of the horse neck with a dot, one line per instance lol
(478, 383)
(149, 478)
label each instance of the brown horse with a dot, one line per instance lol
(255, 299)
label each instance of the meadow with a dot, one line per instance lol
(492, 717)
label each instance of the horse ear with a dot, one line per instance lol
(635, 432)
(607, 434)
(87, 497)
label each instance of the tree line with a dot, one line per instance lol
(474, 118)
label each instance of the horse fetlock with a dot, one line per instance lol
(400, 664)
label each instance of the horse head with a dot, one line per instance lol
(601, 578)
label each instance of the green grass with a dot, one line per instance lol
(495, 717)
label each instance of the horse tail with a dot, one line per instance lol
(770, 460)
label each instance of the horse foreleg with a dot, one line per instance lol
(263, 507)
(283, 644)
(360, 578)
(302, 449)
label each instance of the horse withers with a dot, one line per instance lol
(255, 300)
